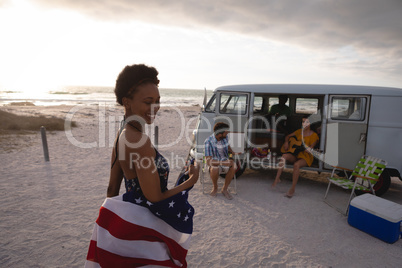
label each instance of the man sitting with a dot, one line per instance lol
(279, 110)
(217, 157)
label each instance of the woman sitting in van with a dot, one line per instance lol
(297, 150)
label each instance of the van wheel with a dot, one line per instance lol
(382, 185)
(241, 167)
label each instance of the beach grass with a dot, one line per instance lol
(20, 123)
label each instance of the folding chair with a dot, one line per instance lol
(366, 173)
(206, 179)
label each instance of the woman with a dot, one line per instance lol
(135, 158)
(301, 159)
(145, 172)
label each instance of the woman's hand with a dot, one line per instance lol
(193, 172)
(286, 146)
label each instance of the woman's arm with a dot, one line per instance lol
(116, 176)
(290, 135)
(310, 148)
(148, 176)
(286, 142)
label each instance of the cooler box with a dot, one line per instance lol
(376, 216)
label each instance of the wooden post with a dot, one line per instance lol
(44, 143)
(156, 137)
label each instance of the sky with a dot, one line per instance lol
(200, 44)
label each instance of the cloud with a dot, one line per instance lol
(372, 28)
(371, 23)
(5, 3)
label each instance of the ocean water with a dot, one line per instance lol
(73, 95)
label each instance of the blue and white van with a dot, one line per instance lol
(351, 121)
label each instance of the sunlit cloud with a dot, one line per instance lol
(197, 44)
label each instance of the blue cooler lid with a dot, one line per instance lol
(378, 206)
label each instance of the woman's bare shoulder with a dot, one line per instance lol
(138, 142)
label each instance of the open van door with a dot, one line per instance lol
(234, 110)
(205, 123)
(227, 107)
(347, 120)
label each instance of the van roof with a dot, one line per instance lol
(313, 89)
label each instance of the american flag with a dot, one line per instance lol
(132, 232)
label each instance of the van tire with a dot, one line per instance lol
(382, 185)
(241, 168)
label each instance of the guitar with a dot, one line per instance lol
(295, 146)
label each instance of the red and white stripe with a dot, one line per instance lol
(126, 234)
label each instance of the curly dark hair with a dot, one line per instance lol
(220, 127)
(131, 77)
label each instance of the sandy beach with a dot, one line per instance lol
(48, 209)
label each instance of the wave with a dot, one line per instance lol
(67, 93)
(73, 95)
(9, 91)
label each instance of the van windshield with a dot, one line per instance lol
(211, 104)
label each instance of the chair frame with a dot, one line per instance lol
(367, 171)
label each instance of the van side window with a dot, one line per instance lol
(275, 100)
(348, 108)
(258, 104)
(211, 105)
(232, 103)
(306, 106)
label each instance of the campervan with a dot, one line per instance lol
(351, 121)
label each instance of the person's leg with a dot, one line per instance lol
(286, 158)
(228, 179)
(214, 173)
(296, 172)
